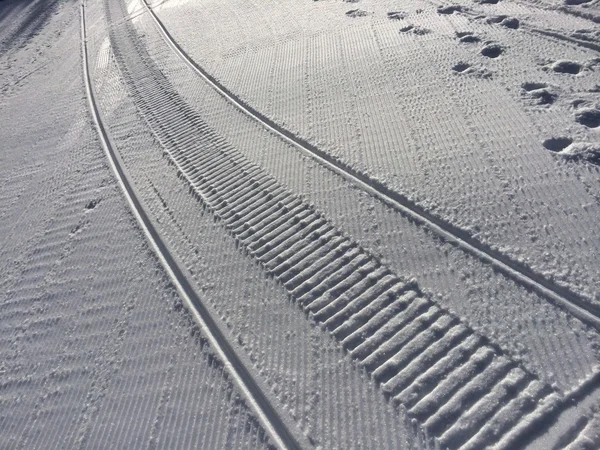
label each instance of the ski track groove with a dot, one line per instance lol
(277, 429)
(229, 186)
(518, 272)
(70, 291)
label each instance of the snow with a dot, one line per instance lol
(390, 210)
(96, 349)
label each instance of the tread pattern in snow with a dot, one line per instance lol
(471, 395)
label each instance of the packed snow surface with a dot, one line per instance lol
(385, 212)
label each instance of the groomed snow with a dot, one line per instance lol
(390, 211)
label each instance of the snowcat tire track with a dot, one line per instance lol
(369, 304)
(269, 418)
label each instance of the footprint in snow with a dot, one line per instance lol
(420, 31)
(354, 13)
(576, 2)
(76, 229)
(492, 50)
(589, 117)
(574, 151)
(92, 204)
(396, 15)
(467, 37)
(450, 9)
(539, 93)
(505, 21)
(466, 68)
(557, 144)
(462, 67)
(566, 66)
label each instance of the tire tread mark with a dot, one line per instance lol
(258, 402)
(391, 324)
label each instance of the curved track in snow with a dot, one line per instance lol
(521, 274)
(422, 357)
(254, 395)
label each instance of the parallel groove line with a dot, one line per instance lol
(563, 37)
(268, 416)
(518, 272)
(380, 319)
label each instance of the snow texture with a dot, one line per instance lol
(391, 210)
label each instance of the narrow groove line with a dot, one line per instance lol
(274, 425)
(518, 272)
(562, 37)
(581, 14)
